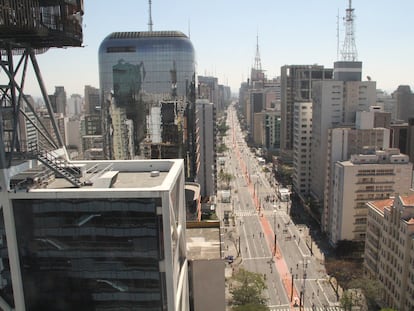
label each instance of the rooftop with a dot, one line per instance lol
(203, 242)
(98, 175)
(382, 204)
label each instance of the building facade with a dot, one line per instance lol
(296, 83)
(335, 104)
(302, 136)
(404, 98)
(115, 243)
(141, 69)
(91, 100)
(389, 250)
(363, 178)
(206, 146)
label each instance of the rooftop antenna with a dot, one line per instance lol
(150, 24)
(257, 61)
(349, 51)
(337, 36)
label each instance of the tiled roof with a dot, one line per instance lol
(382, 204)
(408, 199)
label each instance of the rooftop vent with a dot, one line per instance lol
(155, 173)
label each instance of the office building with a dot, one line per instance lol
(74, 106)
(208, 88)
(404, 98)
(255, 106)
(388, 103)
(335, 104)
(205, 263)
(91, 100)
(116, 241)
(271, 139)
(399, 137)
(345, 141)
(302, 148)
(142, 69)
(206, 145)
(365, 177)
(389, 250)
(58, 100)
(296, 82)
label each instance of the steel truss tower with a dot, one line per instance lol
(349, 51)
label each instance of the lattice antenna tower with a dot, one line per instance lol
(257, 62)
(150, 24)
(349, 51)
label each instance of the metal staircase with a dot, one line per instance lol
(60, 166)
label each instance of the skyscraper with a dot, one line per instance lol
(335, 104)
(296, 86)
(207, 170)
(142, 69)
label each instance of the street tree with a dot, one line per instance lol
(247, 291)
(371, 289)
(225, 177)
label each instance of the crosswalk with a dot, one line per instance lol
(246, 213)
(326, 308)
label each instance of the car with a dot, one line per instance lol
(229, 258)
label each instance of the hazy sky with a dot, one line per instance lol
(224, 32)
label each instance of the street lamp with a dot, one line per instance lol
(274, 228)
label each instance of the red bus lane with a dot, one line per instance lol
(280, 263)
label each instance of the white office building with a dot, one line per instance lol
(111, 236)
(365, 177)
(302, 135)
(335, 104)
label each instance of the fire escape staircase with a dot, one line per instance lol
(61, 167)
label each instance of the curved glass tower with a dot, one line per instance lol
(138, 70)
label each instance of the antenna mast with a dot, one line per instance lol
(337, 36)
(349, 51)
(257, 61)
(150, 16)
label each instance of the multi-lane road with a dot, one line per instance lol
(270, 242)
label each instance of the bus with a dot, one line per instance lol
(284, 194)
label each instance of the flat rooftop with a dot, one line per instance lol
(203, 243)
(95, 175)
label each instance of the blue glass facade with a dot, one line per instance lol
(140, 69)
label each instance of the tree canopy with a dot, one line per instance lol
(247, 291)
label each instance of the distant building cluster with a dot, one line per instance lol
(348, 145)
